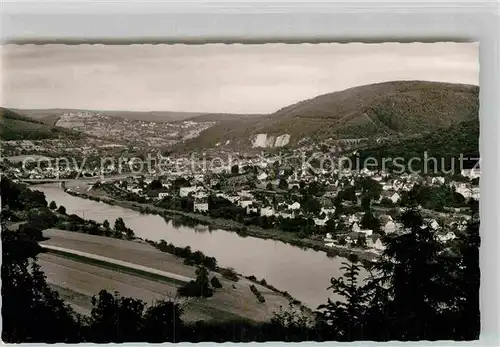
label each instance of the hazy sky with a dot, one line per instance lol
(216, 78)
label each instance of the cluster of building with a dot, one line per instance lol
(258, 189)
(131, 131)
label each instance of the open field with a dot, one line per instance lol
(88, 280)
(133, 252)
(118, 265)
(77, 281)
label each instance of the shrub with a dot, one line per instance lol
(215, 282)
(194, 289)
(257, 293)
(42, 218)
(31, 231)
(230, 274)
(198, 288)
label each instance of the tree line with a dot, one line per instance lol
(418, 289)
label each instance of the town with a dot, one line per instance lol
(341, 209)
(238, 193)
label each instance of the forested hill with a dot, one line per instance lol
(14, 126)
(377, 110)
(444, 144)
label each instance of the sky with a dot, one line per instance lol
(223, 78)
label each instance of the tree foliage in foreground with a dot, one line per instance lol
(419, 289)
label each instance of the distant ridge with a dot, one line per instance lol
(19, 127)
(51, 116)
(375, 110)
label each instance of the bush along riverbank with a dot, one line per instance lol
(199, 259)
(193, 258)
(263, 283)
(192, 219)
(190, 257)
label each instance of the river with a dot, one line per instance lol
(305, 274)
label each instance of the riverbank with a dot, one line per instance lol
(228, 225)
(175, 255)
(302, 272)
(137, 269)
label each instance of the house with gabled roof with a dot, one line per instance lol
(321, 221)
(374, 241)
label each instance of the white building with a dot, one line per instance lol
(320, 222)
(245, 194)
(200, 195)
(200, 207)
(245, 203)
(286, 215)
(395, 197)
(267, 211)
(437, 180)
(328, 211)
(355, 228)
(163, 195)
(471, 173)
(353, 218)
(375, 242)
(251, 209)
(433, 223)
(445, 237)
(390, 227)
(185, 191)
(387, 187)
(233, 199)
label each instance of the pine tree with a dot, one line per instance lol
(345, 318)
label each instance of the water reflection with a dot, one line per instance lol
(304, 273)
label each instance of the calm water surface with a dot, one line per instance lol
(305, 274)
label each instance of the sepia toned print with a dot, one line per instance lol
(236, 193)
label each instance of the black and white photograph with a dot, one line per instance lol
(240, 192)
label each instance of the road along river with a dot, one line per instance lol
(304, 273)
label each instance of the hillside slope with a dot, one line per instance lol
(376, 110)
(445, 145)
(224, 117)
(14, 126)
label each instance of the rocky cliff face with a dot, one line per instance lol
(266, 141)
